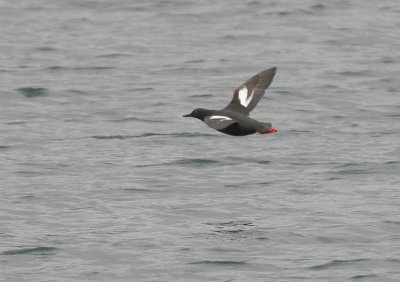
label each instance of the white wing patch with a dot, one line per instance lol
(220, 117)
(244, 96)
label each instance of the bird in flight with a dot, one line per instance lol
(234, 119)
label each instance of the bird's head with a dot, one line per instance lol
(199, 113)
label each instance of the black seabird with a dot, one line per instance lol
(234, 119)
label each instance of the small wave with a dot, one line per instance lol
(387, 60)
(138, 190)
(16, 122)
(219, 262)
(364, 276)
(284, 13)
(32, 92)
(391, 222)
(247, 160)
(93, 68)
(136, 119)
(355, 73)
(318, 7)
(57, 68)
(354, 168)
(191, 162)
(337, 263)
(196, 162)
(31, 251)
(229, 37)
(4, 147)
(194, 61)
(282, 92)
(150, 134)
(234, 223)
(46, 49)
(142, 89)
(112, 55)
(76, 91)
(200, 95)
(112, 136)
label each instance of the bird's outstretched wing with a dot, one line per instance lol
(246, 96)
(218, 121)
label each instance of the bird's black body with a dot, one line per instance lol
(237, 130)
(234, 119)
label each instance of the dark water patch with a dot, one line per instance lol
(231, 223)
(224, 250)
(138, 190)
(196, 162)
(284, 13)
(355, 168)
(185, 162)
(28, 172)
(338, 117)
(237, 160)
(231, 231)
(391, 222)
(364, 276)
(330, 86)
(28, 197)
(263, 162)
(388, 60)
(392, 115)
(107, 137)
(53, 68)
(195, 61)
(302, 191)
(282, 92)
(219, 262)
(318, 7)
(264, 183)
(304, 111)
(93, 68)
(367, 168)
(46, 49)
(137, 119)
(145, 135)
(201, 95)
(76, 91)
(326, 240)
(355, 73)
(32, 92)
(141, 89)
(68, 68)
(15, 122)
(229, 37)
(234, 185)
(297, 131)
(112, 55)
(158, 104)
(338, 263)
(32, 251)
(4, 147)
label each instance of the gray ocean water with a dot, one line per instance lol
(101, 179)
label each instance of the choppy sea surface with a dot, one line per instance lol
(101, 179)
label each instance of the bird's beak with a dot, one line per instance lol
(188, 115)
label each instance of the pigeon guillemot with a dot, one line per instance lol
(234, 119)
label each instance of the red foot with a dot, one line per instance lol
(272, 130)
